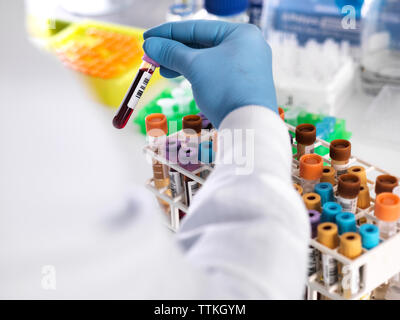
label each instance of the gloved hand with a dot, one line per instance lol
(229, 65)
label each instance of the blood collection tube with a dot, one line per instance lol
(364, 198)
(385, 183)
(360, 172)
(310, 171)
(387, 211)
(313, 253)
(340, 153)
(135, 92)
(328, 175)
(188, 157)
(298, 188)
(349, 278)
(329, 212)
(306, 134)
(312, 201)
(325, 191)
(191, 127)
(348, 190)
(346, 222)
(175, 178)
(207, 156)
(327, 235)
(369, 235)
(157, 128)
(205, 123)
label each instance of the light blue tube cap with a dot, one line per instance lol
(329, 211)
(346, 222)
(325, 190)
(206, 152)
(369, 235)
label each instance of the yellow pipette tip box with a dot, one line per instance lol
(106, 56)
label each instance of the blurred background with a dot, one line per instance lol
(69, 63)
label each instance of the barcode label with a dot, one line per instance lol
(312, 261)
(329, 269)
(137, 94)
(348, 205)
(175, 181)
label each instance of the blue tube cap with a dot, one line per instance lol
(329, 211)
(369, 235)
(206, 152)
(325, 190)
(346, 222)
(226, 7)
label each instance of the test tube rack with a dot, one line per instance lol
(376, 266)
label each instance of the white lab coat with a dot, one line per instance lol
(246, 236)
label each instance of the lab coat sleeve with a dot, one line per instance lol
(247, 229)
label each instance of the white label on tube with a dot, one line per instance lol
(340, 168)
(141, 86)
(192, 188)
(329, 270)
(312, 260)
(309, 149)
(351, 280)
(175, 181)
(348, 205)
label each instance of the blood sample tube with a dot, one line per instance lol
(387, 210)
(346, 222)
(329, 211)
(385, 183)
(310, 171)
(313, 253)
(306, 134)
(340, 153)
(191, 127)
(348, 190)
(188, 157)
(364, 199)
(175, 178)
(328, 175)
(135, 92)
(157, 128)
(349, 278)
(369, 235)
(325, 191)
(207, 156)
(359, 171)
(312, 201)
(298, 188)
(205, 123)
(327, 235)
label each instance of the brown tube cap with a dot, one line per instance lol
(312, 201)
(327, 234)
(311, 166)
(298, 188)
(359, 171)
(385, 183)
(340, 150)
(350, 245)
(387, 207)
(328, 175)
(192, 121)
(349, 186)
(364, 199)
(306, 134)
(156, 124)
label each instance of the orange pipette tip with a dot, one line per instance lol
(156, 124)
(311, 166)
(387, 207)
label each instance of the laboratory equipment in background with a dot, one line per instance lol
(313, 47)
(255, 12)
(380, 58)
(95, 7)
(225, 10)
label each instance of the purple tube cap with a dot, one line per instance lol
(315, 217)
(150, 60)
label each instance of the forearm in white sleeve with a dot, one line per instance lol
(249, 232)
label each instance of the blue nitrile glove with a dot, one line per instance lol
(228, 65)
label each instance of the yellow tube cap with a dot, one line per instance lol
(312, 201)
(298, 188)
(328, 175)
(359, 171)
(350, 245)
(327, 235)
